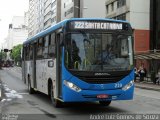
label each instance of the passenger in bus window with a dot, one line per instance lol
(107, 54)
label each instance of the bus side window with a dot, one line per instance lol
(26, 52)
(39, 48)
(52, 46)
(30, 52)
(22, 53)
(45, 48)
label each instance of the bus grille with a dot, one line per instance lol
(91, 78)
(101, 80)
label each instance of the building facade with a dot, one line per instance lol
(138, 16)
(146, 24)
(17, 32)
(32, 18)
(36, 16)
(45, 13)
(82, 9)
(53, 12)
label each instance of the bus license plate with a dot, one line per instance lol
(102, 96)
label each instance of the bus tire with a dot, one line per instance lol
(105, 103)
(54, 101)
(30, 89)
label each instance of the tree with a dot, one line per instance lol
(16, 53)
(3, 55)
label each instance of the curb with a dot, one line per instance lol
(147, 88)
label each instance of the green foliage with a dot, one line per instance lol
(3, 55)
(16, 53)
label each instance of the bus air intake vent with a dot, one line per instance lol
(112, 78)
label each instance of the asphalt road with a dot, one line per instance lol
(38, 106)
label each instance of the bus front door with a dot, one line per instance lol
(34, 66)
(59, 65)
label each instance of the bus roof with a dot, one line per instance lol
(62, 23)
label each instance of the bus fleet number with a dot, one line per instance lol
(118, 85)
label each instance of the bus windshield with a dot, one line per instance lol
(100, 52)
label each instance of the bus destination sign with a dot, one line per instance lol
(96, 25)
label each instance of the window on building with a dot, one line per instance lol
(69, 11)
(65, 14)
(121, 3)
(23, 26)
(112, 6)
(114, 18)
(53, 19)
(53, 4)
(48, 22)
(121, 17)
(54, 11)
(45, 2)
(67, 3)
(107, 9)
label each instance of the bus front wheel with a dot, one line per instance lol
(54, 101)
(105, 103)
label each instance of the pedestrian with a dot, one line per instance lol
(158, 80)
(136, 74)
(142, 73)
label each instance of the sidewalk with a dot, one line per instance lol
(147, 85)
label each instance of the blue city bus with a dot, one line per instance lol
(81, 60)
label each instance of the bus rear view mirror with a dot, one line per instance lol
(51, 63)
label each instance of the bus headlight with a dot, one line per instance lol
(129, 85)
(72, 86)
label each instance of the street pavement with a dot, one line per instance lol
(142, 85)
(148, 86)
(38, 106)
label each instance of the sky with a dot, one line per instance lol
(8, 9)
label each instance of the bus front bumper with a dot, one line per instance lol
(70, 95)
